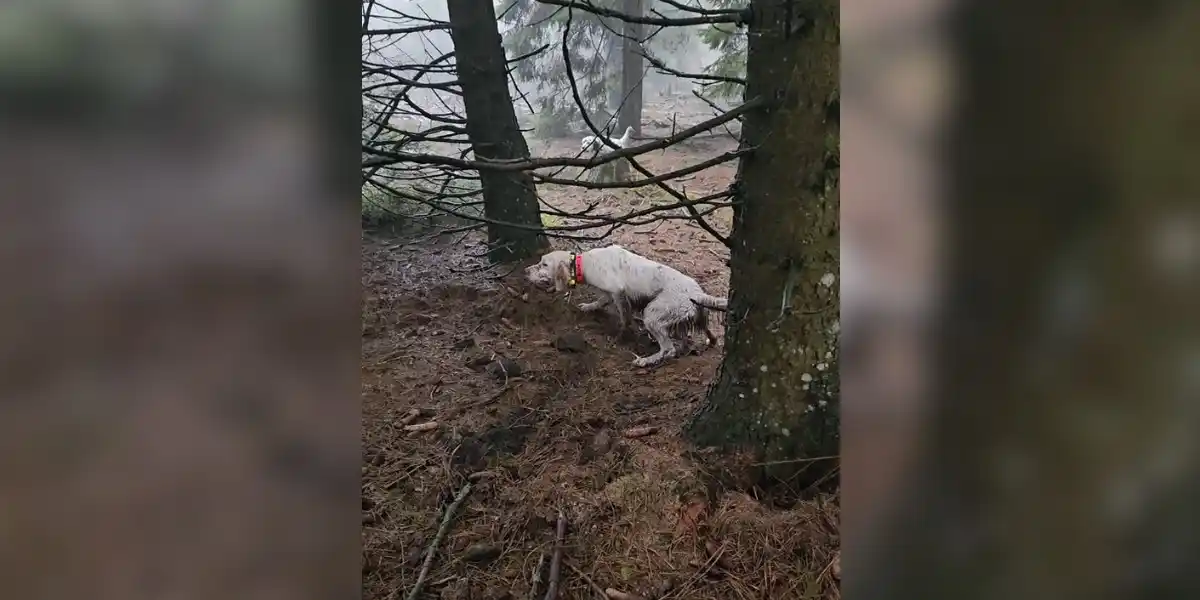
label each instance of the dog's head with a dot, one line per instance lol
(551, 272)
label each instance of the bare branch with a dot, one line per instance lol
(407, 30)
(739, 18)
(539, 163)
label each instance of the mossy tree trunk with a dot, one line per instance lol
(776, 392)
(508, 196)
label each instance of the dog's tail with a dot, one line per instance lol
(712, 302)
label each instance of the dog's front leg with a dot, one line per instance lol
(597, 305)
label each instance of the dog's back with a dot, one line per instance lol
(640, 278)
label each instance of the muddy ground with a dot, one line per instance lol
(537, 396)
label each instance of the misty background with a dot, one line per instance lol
(538, 84)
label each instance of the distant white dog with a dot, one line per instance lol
(592, 142)
(675, 305)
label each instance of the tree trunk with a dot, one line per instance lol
(631, 80)
(1056, 465)
(613, 73)
(508, 197)
(777, 389)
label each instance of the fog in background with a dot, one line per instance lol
(664, 95)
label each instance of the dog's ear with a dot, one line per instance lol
(561, 275)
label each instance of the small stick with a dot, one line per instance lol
(535, 578)
(480, 475)
(638, 432)
(695, 576)
(444, 528)
(612, 594)
(707, 570)
(584, 576)
(427, 426)
(560, 532)
(410, 417)
(717, 550)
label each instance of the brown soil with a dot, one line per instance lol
(476, 352)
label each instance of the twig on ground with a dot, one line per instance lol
(535, 578)
(390, 356)
(638, 432)
(406, 474)
(584, 576)
(494, 397)
(427, 426)
(444, 528)
(560, 532)
(705, 567)
(410, 417)
(706, 570)
(717, 550)
(612, 594)
(481, 476)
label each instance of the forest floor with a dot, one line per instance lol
(539, 397)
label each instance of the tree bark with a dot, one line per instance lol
(1035, 481)
(614, 72)
(631, 80)
(777, 389)
(508, 197)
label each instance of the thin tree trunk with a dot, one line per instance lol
(508, 197)
(776, 392)
(631, 80)
(613, 72)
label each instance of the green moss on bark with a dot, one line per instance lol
(776, 392)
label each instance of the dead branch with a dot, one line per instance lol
(527, 164)
(560, 532)
(638, 432)
(410, 417)
(444, 528)
(681, 197)
(613, 594)
(716, 552)
(405, 140)
(535, 578)
(481, 476)
(588, 580)
(739, 18)
(707, 570)
(417, 427)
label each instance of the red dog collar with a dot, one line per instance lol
(577, 269)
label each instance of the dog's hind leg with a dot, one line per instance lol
(657, 320)
(666, 346)
(702, 324)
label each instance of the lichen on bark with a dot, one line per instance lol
(776, 392)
